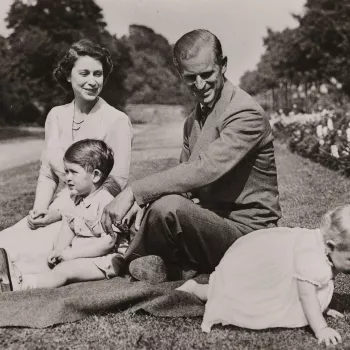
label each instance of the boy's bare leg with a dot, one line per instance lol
(199, 290)
(78, 270)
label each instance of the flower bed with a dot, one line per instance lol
(322, 136)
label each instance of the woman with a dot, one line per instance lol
(84, 69)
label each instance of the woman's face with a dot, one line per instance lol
(86, 78)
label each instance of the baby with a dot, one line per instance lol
(279, 277)
(82, 251)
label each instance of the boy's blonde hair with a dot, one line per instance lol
(336, 226)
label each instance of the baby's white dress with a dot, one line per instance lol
(255, 284)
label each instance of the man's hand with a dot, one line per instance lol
(115, 211)
(41, 218)
(135, 212)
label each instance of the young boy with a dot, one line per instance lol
(82, 251)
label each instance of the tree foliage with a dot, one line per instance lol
(316, 52)
(153, 77)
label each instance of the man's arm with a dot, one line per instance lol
(241, 134)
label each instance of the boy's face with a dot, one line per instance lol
(79, 181)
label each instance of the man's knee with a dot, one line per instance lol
(168, 205)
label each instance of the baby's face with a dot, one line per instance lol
(341, 260)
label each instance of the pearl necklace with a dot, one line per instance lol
(76, 125)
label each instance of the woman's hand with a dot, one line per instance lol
(329, 336)
(135, 212)
(41, 218)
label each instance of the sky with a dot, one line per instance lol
(239, 24)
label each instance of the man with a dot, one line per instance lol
(227, 165)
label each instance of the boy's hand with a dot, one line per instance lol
(329, 336)
(54, 258)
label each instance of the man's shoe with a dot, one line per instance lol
(184, 272)
(5, 278)
(150, 268)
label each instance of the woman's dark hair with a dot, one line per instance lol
(91, 154)
(83, 47)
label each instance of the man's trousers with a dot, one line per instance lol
(185, 234)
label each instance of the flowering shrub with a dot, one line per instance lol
(322, 136)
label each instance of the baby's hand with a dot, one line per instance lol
(329, 336)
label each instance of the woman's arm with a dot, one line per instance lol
(313, 314)
(119, 139)
(40, 215)
(48, 180)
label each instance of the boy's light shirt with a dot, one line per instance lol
(85, 221)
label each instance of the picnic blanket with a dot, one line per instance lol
(40, 308)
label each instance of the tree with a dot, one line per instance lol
(325, 29)
(251, 82)
(153, 77)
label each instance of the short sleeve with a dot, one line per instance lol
(119, 138)
(46, 173)
(310, 261)
(93, 216)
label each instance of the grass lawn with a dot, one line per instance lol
(307, 190)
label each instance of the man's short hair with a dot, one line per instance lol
(189, 45)
(91, 154)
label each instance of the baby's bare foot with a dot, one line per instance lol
(188, 286)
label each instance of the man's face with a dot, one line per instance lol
(203, 76)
